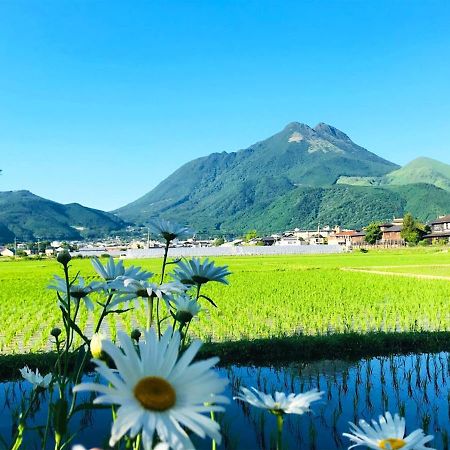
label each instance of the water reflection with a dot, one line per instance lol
(416, 386)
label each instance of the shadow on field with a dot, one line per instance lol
(346, 346)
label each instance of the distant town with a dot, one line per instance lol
(389, 234)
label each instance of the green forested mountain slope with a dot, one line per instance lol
(418, 171)
(27, 216)
(421, 170)
(299, 177)
(424, 201)
(234, 191)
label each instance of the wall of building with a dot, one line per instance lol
(236, 251)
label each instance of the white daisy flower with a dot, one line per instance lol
(77, 291)
(169, 230)
(387, 433)
(195, 272)
(132, 289)
(282, 403)
(156, 390)
(111, 271)
(185, 308)
(35, 378)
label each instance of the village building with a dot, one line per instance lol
(268, 240)
(199, 243)
(391, 232)
(359, 238)
(290, 240)
(306, 235)
(345, 237)
(317, 239)
(4, 251)
(440, 229)
(233, 243)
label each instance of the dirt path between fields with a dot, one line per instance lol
(398, 274)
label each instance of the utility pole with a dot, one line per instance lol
(148, 237)
(15, 247)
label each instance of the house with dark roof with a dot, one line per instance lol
(440, 229)
(391, 232)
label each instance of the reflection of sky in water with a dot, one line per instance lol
(416, 386)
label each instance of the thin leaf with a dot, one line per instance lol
(209, 300)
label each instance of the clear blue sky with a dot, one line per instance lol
(101, 100)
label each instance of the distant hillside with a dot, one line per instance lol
(424, 201)
(418, 171)
(27, 216)
(421, 170)
(236, 191)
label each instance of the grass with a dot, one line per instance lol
(269, 297)
(431, 270)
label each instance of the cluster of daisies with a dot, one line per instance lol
(125, 284)
(161, 393)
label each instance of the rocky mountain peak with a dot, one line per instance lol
(325, 130)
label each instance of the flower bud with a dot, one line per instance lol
(63, 257)
(55, 332)
(183, 316)
(96, 346)
(135, 334)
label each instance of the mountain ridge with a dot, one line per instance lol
(220, 191)
(300, 159)
(295, 178)
(26, 216)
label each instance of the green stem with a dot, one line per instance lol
(163, 271)
(279, 431)
(183, 342)
(166, 251)
(21, 426)
(47, 425)
(74, 321)
(104, 313)
(150, 313)
(76, 381)
(213, 442)
(174, 325)
(157, 318)
(58, 361)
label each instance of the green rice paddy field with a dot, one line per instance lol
(270, 296)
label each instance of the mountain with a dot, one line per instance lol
(421, 170)
(231, 192)
(28, 217)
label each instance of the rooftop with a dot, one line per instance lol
(442, 219)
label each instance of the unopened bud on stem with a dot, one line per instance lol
(63, 257)
(96, 346)
(55, 332)
(135, 334)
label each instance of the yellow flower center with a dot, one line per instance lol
(155, 394)
(391, 443)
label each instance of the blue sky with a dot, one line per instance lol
(101, 100)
